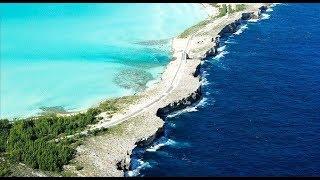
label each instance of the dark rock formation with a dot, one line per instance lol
(197, 71)
(147, 141)
(183, 103)
(124, 164)
(230, 28)
(262, 9)
(187, 56)
(249, 15)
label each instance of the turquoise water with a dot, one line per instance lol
(70, 54)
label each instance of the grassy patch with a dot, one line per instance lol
(193, 29)
(230, 10)
(112, 106)
(222, 11)
(214, 4)
(78, 167)
(5, 169)
(68, 174)
(240, 7)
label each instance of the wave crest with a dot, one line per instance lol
(241, 29)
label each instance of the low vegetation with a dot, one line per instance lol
(117, 104)
(31, 141)
(240, 7)
(222, 11)
(193, 29)
(5, 169)
(28, 140)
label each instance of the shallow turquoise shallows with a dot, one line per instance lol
(71, 55)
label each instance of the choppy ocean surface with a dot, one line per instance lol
(75, 55)
(260, 115)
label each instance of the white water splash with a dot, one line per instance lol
(136, 171)
(171, 124)
(222, 48)
(201, 103)
(204, 81)
(253, 20)
(269, 10)
(265, 16)
(160, 144)
(275, 4)
(230, 42)
(241, 29)
(221, 55)
(188, 109)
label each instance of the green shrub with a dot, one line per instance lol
(193, 29)
(5, 169)
(29, 140)
(78, 168)
(240, 7)
(4, 133)
(222, 11)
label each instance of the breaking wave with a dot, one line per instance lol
(161, 142)
(265, 16)
(222, 48)
(140, 165)
(221, 55)
(241, 29)
(201, 103)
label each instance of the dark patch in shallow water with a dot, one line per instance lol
(135, 79)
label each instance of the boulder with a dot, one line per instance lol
(124, 164)
(263, 8)
(247, 16)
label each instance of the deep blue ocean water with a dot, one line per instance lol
(260, 115)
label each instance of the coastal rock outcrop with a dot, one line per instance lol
(262, 9)
(178, 105)
(249, 15)
(230, 28)
(211, 52)
(147, 141)
(197, 71)
(124, 164)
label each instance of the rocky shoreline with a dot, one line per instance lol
(109, 154)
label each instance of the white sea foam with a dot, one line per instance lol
(204, 81)
(253, 20)
(205, 74)
(221, 55)
(185, 110)
(160, 144)
(269, 10)
(230, 42)
(241, 29)
(201, 103)
(275, 4)
(222, 48)
(265, 16)
(141, 165)
(171, 124)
